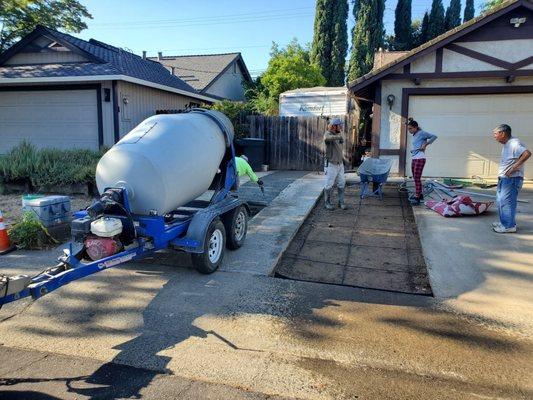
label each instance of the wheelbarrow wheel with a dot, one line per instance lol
(214, 247)
(236, 226)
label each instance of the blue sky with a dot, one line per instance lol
(179, 27)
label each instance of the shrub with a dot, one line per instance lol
(29, 233)
(234, 110)
(19, 163)
(64, 167)
(49, 167)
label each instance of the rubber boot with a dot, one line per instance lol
(327, 198)
(342, 205)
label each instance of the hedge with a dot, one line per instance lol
(49, 167)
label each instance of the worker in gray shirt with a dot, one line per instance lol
(334, 163)
(510, 177)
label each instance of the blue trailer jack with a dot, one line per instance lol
(203, 228)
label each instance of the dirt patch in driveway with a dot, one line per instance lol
(374, 244)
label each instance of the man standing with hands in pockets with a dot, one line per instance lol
(510, 178)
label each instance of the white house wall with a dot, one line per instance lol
(391, 117)
(424, 64)
(511, 50)
(142, 102)
(455, 62)
(229, 85)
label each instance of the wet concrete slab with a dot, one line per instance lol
(374, 244)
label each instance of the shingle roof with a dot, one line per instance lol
(391, 66)
(200, 71)
(106, 60)
(57, 70)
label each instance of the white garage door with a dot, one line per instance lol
(49, 118)
(464, 126)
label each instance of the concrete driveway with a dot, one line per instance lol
(479, 273)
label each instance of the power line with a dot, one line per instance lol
(214, 22)
(277, 12)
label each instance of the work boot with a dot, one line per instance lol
(340, 191)
(327, 198)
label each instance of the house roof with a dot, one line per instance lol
(439, 41)
(103, 59)
(201, 71)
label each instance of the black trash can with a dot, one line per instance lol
(254, 149)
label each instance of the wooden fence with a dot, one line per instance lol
(297, 143)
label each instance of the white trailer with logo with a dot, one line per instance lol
(315, 101)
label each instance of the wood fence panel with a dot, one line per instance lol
(296, 143)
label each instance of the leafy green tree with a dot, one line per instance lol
(416, 26)
(453, 14)
(402, 26)
(19, 17)
(288, 68)
(389, 43)
(469, 10)
(490, 4)
(367, 37)
(330, 39)
(436, 24)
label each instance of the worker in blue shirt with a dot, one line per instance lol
(244, 168)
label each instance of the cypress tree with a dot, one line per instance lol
(339, 45)
(453, 14)
(355, 10)
(436, 24)
(330, 39)
(424, 29)
(321, 46)
(469, 10)
(402, 26)
(367, 37)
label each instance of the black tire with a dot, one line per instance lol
(204, 262)
(236, 227)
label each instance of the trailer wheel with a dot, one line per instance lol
(214, 246)
(236, 227)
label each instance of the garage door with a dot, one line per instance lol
(464, 126)
(49, 118)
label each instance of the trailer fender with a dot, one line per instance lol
(193, 242)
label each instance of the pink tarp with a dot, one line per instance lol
(460, 205)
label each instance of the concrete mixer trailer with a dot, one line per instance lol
(149, 184)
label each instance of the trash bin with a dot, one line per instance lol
(254, 149)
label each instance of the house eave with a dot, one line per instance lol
(93, 78)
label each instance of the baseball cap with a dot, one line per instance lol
(336, 121)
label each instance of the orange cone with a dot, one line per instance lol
(5, 244)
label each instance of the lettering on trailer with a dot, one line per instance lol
(308, 108)
(116, 261)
